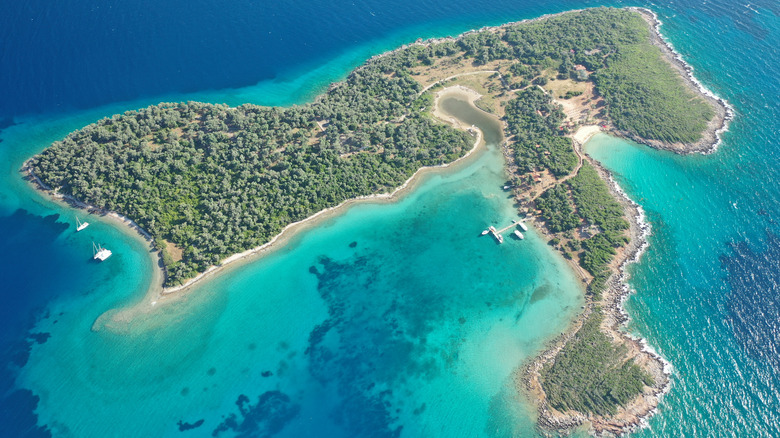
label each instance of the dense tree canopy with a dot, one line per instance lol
(534, 120)
(214, 180)
(604, 378)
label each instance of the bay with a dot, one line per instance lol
(710, 250)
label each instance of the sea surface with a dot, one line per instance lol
(390, 319)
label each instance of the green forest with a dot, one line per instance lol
(214, 180)
(645, 96)
(604, 379)
(534, 121)
(585, 201)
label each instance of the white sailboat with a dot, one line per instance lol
(100, 253)
(80, 225)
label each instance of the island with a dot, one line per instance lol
(208, 184)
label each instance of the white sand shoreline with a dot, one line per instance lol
(157, 295)
(585, 132)
(291, 229)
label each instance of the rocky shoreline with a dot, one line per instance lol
(637, 412)
(634, 414)
(724, 113)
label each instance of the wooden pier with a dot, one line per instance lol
(497, 233)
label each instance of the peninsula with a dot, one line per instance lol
(206, 182)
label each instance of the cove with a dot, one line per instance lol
(391, 318)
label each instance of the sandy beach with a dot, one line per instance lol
(156, 295)
(290, 230)
(615, 317)
(584, 133)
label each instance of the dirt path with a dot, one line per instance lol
(429, 86)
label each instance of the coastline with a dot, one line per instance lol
(399, 192)
(156, 294)
(724, 112)
(617, 291)
(711, 137)
(636, 413)
(135, 230)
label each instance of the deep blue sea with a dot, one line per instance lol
(326, 338)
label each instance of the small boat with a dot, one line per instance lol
(100, 253)
(519, 235)
(485, 232)
(522, 226)
(507, 187)
(80, 225)
(495, 234)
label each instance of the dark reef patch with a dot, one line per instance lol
(541, 293)
(17, 415)
(183, 426)
(21, 311)
(40, 338)
(369, 342)
(754, 303)
(4, 123)
(17, 406)
(272, 412)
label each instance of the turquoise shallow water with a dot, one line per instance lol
(392, 316)
(707, 288)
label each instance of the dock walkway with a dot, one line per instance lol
(497, 233)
